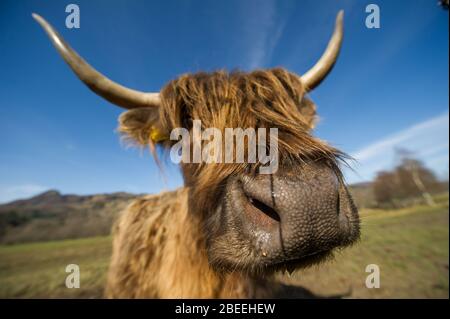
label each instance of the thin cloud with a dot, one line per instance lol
(428, 140)
(415, 131)
(435, 149)
(264, 32)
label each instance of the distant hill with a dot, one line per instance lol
(52, 216)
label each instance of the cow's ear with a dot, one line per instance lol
(308, 111)
(142, 126)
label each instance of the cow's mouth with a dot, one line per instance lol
(301, 262)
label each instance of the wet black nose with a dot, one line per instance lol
(297, 212)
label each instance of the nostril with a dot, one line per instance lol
(263, 208)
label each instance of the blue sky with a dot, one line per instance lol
(388, 89)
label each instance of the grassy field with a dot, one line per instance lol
(409, 245)
(37, 270)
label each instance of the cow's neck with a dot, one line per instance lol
(187, 272)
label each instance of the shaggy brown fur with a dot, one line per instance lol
(159, 243)
(263, 98)
(158, 252)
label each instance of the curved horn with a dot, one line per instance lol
(320, 70)
(97, 82)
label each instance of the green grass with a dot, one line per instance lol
(409, 245)
(37, 270)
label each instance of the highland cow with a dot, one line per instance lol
(229, 229)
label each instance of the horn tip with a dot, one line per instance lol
(36, 16)
(39, 19)
(340, 16)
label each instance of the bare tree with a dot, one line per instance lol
(384, 188)
(409, 179)
(417, 174)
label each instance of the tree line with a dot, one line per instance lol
(410, 180)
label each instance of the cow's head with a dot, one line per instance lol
(254, 222)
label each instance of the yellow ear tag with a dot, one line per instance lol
(156, 135)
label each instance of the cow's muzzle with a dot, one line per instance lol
(295, 214)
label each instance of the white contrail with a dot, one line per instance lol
(428, 140)
(418, 130)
